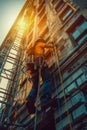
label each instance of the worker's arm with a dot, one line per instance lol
(24, 81)
(47, 46)
(30, 51)
(22, 84)
(49, 49)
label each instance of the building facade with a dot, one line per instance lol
(63, 22)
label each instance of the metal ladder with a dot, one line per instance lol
(11, 57)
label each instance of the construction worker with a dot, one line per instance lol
(36, 58)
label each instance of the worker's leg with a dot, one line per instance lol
(47, 84)
(32, 95)
(33, 91)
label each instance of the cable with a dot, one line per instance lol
(58, 102)
(59, 71)
(62, 85)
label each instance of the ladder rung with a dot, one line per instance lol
(7, 78)
(3, 89)
(6, 93)
(7, 103)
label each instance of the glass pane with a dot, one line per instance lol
(83, 26)
(79, 30)
(60, 7)
(76, 34)
(67, 14)
(83, 39)
(71, 87)
(79, 81)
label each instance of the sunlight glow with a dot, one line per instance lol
(9, 11)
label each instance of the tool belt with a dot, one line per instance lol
(39, 61)
(31, 59)
(33, 62)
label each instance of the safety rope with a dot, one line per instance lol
(58, 102)
(57, 60)
(62, 85)
(55, 83)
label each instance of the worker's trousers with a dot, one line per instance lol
(46, 91)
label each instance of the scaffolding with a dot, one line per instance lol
(12, 59)
(11, 70)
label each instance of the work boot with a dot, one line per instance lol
(30, 106)
(52, 103)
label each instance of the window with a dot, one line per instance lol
(76, 34)
(72, 87)
(81, 80)
(53, 1)
(79, 30)
(65, 13)
(83, 39)
(80, 33)
(59, 5)
(84, 69)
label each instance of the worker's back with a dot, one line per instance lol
(39, 48)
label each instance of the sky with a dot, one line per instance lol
(9, 10)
